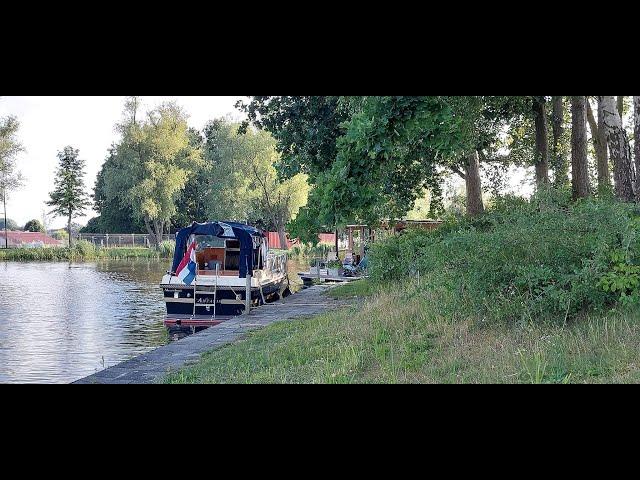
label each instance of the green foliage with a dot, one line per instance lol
(151, 165)
(34, 226)
(11, 224)
(68, 198)
(166, 249)
(79, 253)
(85, 249)
(622, 280)
(524, 260)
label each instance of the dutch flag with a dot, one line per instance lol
(186, 271)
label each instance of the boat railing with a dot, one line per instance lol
(276, 262)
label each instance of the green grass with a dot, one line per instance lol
(407, 335)
(359, 288)
(67, 254)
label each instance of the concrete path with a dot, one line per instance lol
(154, 365)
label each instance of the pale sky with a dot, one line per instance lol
(48, 124)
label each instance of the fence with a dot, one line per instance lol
(107, 240)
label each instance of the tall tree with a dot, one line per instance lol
(542, 140)
(154, 159)
(579, 160)
(475, 205)
(619, 149)
(636, 127)
(559, 158)
(246, 185)
(599, 138)
(68, 198)
(10, 177)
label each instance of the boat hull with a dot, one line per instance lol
(216, 302)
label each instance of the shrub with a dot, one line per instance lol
(543, 259)
(166, 249)
(84, 249)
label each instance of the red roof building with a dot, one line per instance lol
(28, 239)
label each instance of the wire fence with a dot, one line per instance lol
(107, 240)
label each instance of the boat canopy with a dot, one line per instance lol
(239, 231)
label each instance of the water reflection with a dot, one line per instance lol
(63, 321)
(60, 322)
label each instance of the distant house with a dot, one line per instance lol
(28, 240)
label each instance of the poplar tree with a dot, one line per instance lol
(68, 198)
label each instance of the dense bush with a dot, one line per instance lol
(166, 249)
(543, 259)
(85, 249)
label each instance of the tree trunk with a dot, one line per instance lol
(542, 141)
(475, 205)
(599, 138)
(4, 203)
(621, 106)
(153, 234)
(636, 136)
(561, 167)
(282, 235)
(69, 231)
(619, 150)
(579, 160)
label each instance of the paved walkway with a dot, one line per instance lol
(154, 365)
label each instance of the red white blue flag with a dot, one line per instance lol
(186, 271)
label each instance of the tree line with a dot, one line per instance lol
(370, 158)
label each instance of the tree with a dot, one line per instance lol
(240, 181)
(68, 197)
(10, 177)
(542, 140)
(636, 126)
(152, 164)
(599, 138)
(114, 215)
(10, 224)
(34, 226)
(559, 158)
(579, 161)
(619, 149)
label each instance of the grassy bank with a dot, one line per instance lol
(397, 336)
(535, 291)
(74, 254)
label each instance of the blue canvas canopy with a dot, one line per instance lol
(239, 231)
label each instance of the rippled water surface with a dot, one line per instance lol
(60, 322)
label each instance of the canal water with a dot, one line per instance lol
(60, 322)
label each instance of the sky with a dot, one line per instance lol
(48, 124)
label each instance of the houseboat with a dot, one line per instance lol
(214, 266)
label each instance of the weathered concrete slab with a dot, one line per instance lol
(154, 365)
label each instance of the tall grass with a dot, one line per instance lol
(407, 335)
(81, 251)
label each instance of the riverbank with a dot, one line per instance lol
(81, 254)
(407, 335)
(153, 366)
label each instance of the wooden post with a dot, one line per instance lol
(107, 240)
(247, 300)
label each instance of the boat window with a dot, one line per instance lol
(208, 241)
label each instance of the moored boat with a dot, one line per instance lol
(217, 267)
